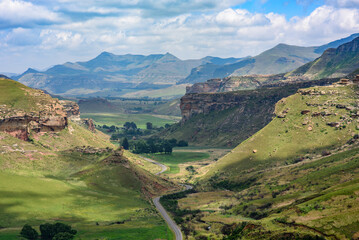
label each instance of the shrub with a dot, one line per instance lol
(29, 233)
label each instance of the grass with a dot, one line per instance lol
(289, 175)
(285, 140)
(47, 180)
(173, 160)
(99, 194)
(166, 93)
(17, 96)
(140, 119)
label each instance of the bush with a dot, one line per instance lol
(63, 236)
(29, 233)
(49, 231)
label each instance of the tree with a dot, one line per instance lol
(125, 144)
(29, 233)
(182, 143)
(129, 125)
(49, 231)
(167, 147)
(173, 142)
(149, 125)
(63, 236)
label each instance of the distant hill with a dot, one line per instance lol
(228, 118)
(296, 178)
(116, 73)
(53, 168)
(334, 62)
(279, 59)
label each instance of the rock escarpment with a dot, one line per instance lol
(219, 97)
(25, 111)
(47, 116)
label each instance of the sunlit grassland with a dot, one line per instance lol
(173, 160)
(118, 119)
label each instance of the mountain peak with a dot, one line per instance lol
(105, 54)
(168, 57)
(30, 70)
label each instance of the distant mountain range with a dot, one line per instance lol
(280, 59)
(334, 62)
(108, 71)
(111, 74)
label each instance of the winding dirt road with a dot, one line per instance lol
(172, 224)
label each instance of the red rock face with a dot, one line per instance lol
(21, 126)
(72, 109)
(88, 122)
(20, 134)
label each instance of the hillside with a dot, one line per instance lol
(65, 172)
(334, 62)
(306, 122)
(114, 75)
(279, 59)
(228, 118)
(296, 178)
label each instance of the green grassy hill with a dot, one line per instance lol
(296, 178)
(73, 176)
(297, 133)
(334, 62)
(250, 111)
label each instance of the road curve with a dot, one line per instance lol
(173, 226)
(168, 219)
(163, 167)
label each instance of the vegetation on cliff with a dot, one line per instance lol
(294, 178)
(72, 175)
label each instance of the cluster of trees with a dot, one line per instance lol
(109, 129)
(56, 231)
(154, 145)
(149, 146)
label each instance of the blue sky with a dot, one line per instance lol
(41, 33)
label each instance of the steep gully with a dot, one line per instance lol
(173, 226)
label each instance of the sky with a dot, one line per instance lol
(42, 33)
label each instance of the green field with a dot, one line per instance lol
(173, 160)
(118, 119)
(165, 93)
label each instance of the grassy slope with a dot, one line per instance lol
(15, 95)
(40, 185)
(176, 158)
(166, 93)
(280, 59)
(44, 180)
(140, 119)
(332, 63)
(288, 138)
(312, 194)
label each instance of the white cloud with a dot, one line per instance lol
(17, 13)
(344, 3)
(54, 39)
(223, 31)
(240, 17)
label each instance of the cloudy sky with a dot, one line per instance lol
(41, 33)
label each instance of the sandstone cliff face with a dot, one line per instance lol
(72, 109)
(222, 98)
(204, 103)
(233, 83)
(51, 116)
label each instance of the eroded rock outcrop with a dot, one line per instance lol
(47, 115)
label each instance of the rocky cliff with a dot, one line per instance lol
(25, 111)
(228, 118)
(234, 83)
